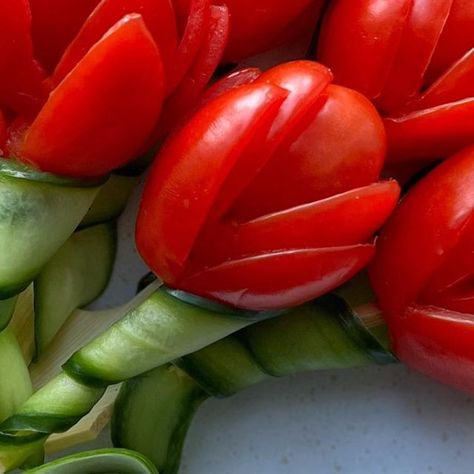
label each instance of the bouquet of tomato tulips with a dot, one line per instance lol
(272, 217)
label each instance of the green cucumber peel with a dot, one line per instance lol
(67, 282)
(165, 397)
(357, 330)
(15, 386)
(160, 330)
(220, 308)
(157, 331)
(7, 308)
(111, 200)
(37, 215)
(106, 461)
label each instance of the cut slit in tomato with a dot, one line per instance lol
(195, 30)
(304, 95)
(431, 133)
(278, 280)
(323, 163)
(229, 82)
(188, 187)
(326, 223)
(414, 244)
(456, 84)
(50, 35)
(452, 285)
(365, 66)
(422, 30)
(121, 89)
(159, 19)
(457, 38)
(184, 99)
(22, 87)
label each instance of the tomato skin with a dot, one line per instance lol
(408, 57)
(191, 230)
(457, 38)
(80, 120)
(324, 223)
(51, 36)
(438, 343)
(423, 274)
(158, 16)
(74, 130)
(279, 280)
(426, 225)
(325, 160)
(361, 57)
(21, 88)
(432, 133)
(184, 99)
(259, 25)
(179, 194)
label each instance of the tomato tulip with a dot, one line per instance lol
(91, 102)
(423, 273)
(268, 195)
(415, 60)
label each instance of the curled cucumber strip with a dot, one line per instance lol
(106, 461)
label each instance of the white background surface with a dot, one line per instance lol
(366, 421)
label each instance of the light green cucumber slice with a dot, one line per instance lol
(111, 200)
(36, 218)
(158, 331)
(15, 383)
(7, 308)
(76, 275)
(152, 415)
(310, 337)
(106, 461)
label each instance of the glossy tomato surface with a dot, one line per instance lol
(248, 203)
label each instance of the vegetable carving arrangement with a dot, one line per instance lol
(278, 238)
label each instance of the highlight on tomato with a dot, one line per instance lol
(415, 60)
(423, 273)
(81, 92)
(268, 196)
(259, 25)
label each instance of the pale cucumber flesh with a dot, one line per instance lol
(111, 200)
(36, 218)
(76, 275)
(165, 398)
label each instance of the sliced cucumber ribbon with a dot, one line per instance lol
(154, 410)
(106, 461)
(38, 212)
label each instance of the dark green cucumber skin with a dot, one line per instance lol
(311, 337)
(181, 394)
